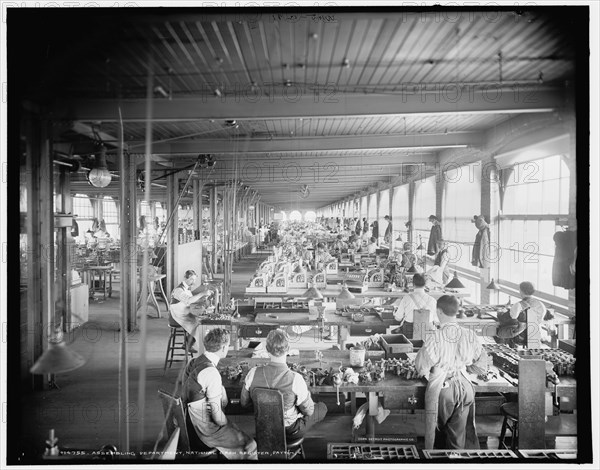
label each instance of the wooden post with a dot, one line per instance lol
(40, 243)
(172, 232)
(214, 196)
(128, 270)
(532, 390)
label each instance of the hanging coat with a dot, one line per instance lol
(388, 233)
(358, 228)
(481, 249)
(564, 255)
(375, 231)
(435, 239)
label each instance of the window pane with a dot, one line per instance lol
(551, 197)
(545, 276)
(533, 200)
(564, 196)
(546, 240)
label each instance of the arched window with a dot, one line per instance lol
(372, 208)
(295, 216)
(310, 216)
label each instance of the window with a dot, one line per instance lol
(363, 207)
(110, 214)
(424, 206)
(384, 209)
(400, 211)
(372, 208)
(295, 216)
(84, 210)
(310, 216)
(462, 200)
(536, 197)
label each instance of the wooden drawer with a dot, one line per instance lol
(256, 331)
(367, 330)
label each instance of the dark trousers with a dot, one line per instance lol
(453, 410)
(299, 428)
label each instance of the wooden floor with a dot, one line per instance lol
(84, 411)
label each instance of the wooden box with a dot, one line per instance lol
(279, 284)
(395, 344)
(257, 284)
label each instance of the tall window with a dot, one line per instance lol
(364, 207)
(111, 216)
(372, 208)
(83, 209)
(400, 211)
(536, 198)
(424, 206)
(462, 200)
(384, 209)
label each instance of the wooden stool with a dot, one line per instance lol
(178, 340)
(511, 421)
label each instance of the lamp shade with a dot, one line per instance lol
(313, 293)
(455, 283)
(58, 358)
(299, 269)
(492, 285)
(399, 239)
(346, 294)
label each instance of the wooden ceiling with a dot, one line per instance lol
(335, 99)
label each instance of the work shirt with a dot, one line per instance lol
(537, 308)
(418, 299)
(297, 401)
(452, 348)
(211, 385)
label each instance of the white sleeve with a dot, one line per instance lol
(300, 389)
(249, 378)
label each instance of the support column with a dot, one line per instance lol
(40, 245)
(411, 199)
(64, 243)
(172, 231)
(214, 197)
(196, 209)
(128, 239)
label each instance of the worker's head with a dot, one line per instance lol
(320, 247)
(433, 219)
(277, 343)
(387, 217)
(190, 277)
(217, 341)
(418, 280)
(373, 240)
(447, 307)
(527, 289)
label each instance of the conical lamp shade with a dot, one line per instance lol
(420, 247)
(313, 293)
(492, 285)
(455, 283)
(58, 358)
(299, 269)
(399, 239)
(345, 293)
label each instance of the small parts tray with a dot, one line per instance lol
(469, 454)
(552, 454)
(345, 451)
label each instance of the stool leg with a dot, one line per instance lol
(172, 347)
(515, 436)
(167, 354)
(502, 434)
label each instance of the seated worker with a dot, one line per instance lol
(449, 396)
(409, 259)
(354, 243)
(416, 300)
(439, 272)
(300, 412)
(181, 299)
(513, 328)
(339, 244)
(372, 246)
(322, 256)
(205, 397)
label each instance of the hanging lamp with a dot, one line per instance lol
(455, 283)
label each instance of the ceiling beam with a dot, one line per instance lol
(316, 144)
(411, 99)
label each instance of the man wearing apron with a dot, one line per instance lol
(449, 396)
(181, 299)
